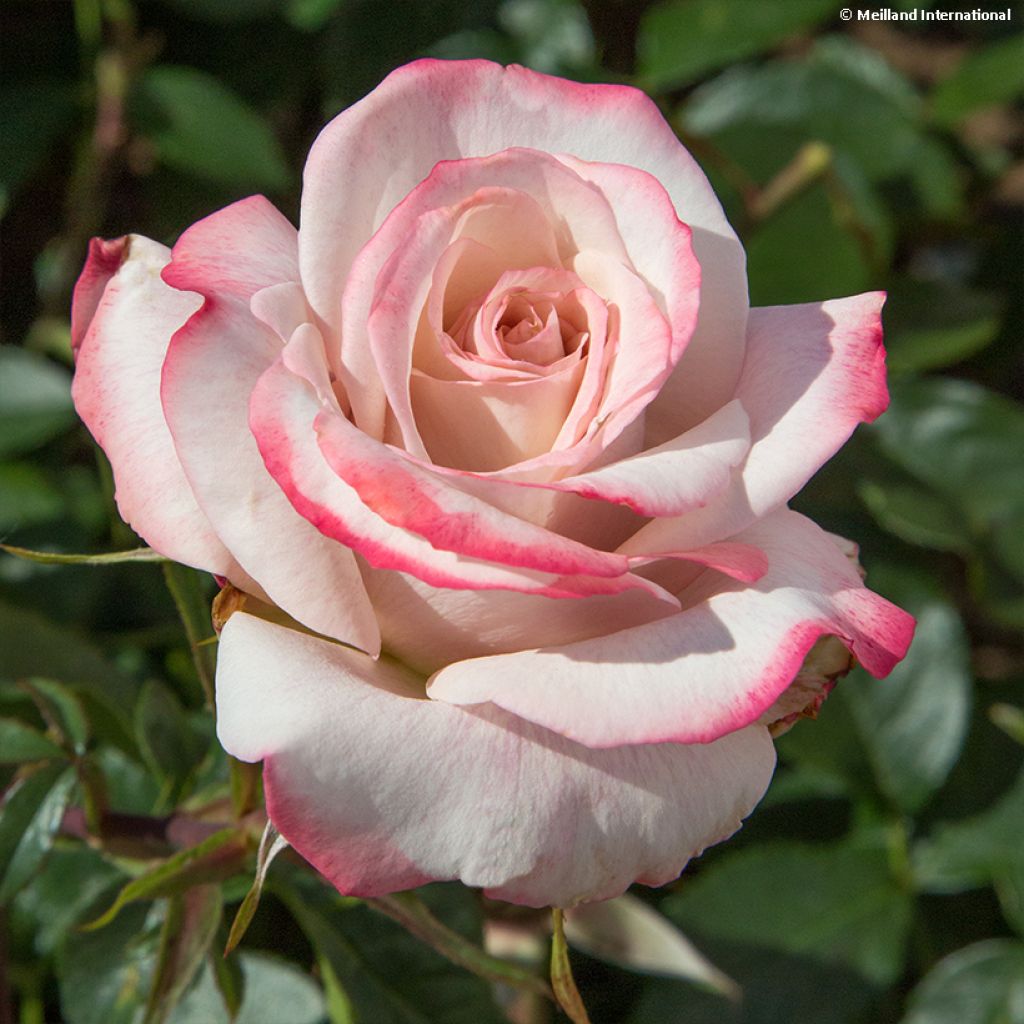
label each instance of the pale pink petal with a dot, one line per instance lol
(660, 245)
(812, 374)
(429, 627)
(407, 494)
(412, 790)
(124, 316)
(744, 562)
(372, 155)
(389, 284)
(211, 367)
(642, 349)
(712, 668)
(282, 307)
(680, 475)
(483, 426)
(285, 406)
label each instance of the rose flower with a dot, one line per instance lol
(500, 456)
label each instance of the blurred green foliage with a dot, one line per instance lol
(883, 878)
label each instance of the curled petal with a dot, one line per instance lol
(211, 367)
(812, 374)
(708, 670)
(286, 404)
(124, 315)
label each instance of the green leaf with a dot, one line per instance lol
(199, 126)
(35, 400)
(915, 720)
(20, 742)
(27, 497)
(681, 40)
(105, 558)
(915, 514)
(770, 110)
(388, 976)
(982, 983)
(187, 587)
(32, 814)
(189, 928)
(310, 15)
(1009, 719)
(550, 35)
(104, 975)
(166, 741)
(229, 981)
(835, 905)
(965, 443)
(830, 748)
(930, 326)
(33, 646)
(271, 844)
(1009, 886)
(275, 992)
(995, 74)
(832, 261)
(69, 886)
(217, 857)
(414, 915)
(971, 853)
(62, 707)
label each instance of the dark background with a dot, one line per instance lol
(883, 877)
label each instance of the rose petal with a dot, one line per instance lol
(680, 475)
(382, 790)
(372, 155)
(813, 372)
(406, 494)
(124, 317)
(710, 669)
(211, 367)
(285, 406)
(395, 270)
(484, 426)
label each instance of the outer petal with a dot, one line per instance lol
(812, 373)
(124, 316)
(712, 668)
(382, 790)
(211, 368)
(373, 154)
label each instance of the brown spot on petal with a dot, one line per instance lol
(826, 662)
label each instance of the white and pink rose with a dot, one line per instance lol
(501, 457)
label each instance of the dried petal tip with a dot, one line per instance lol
(826, 663)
